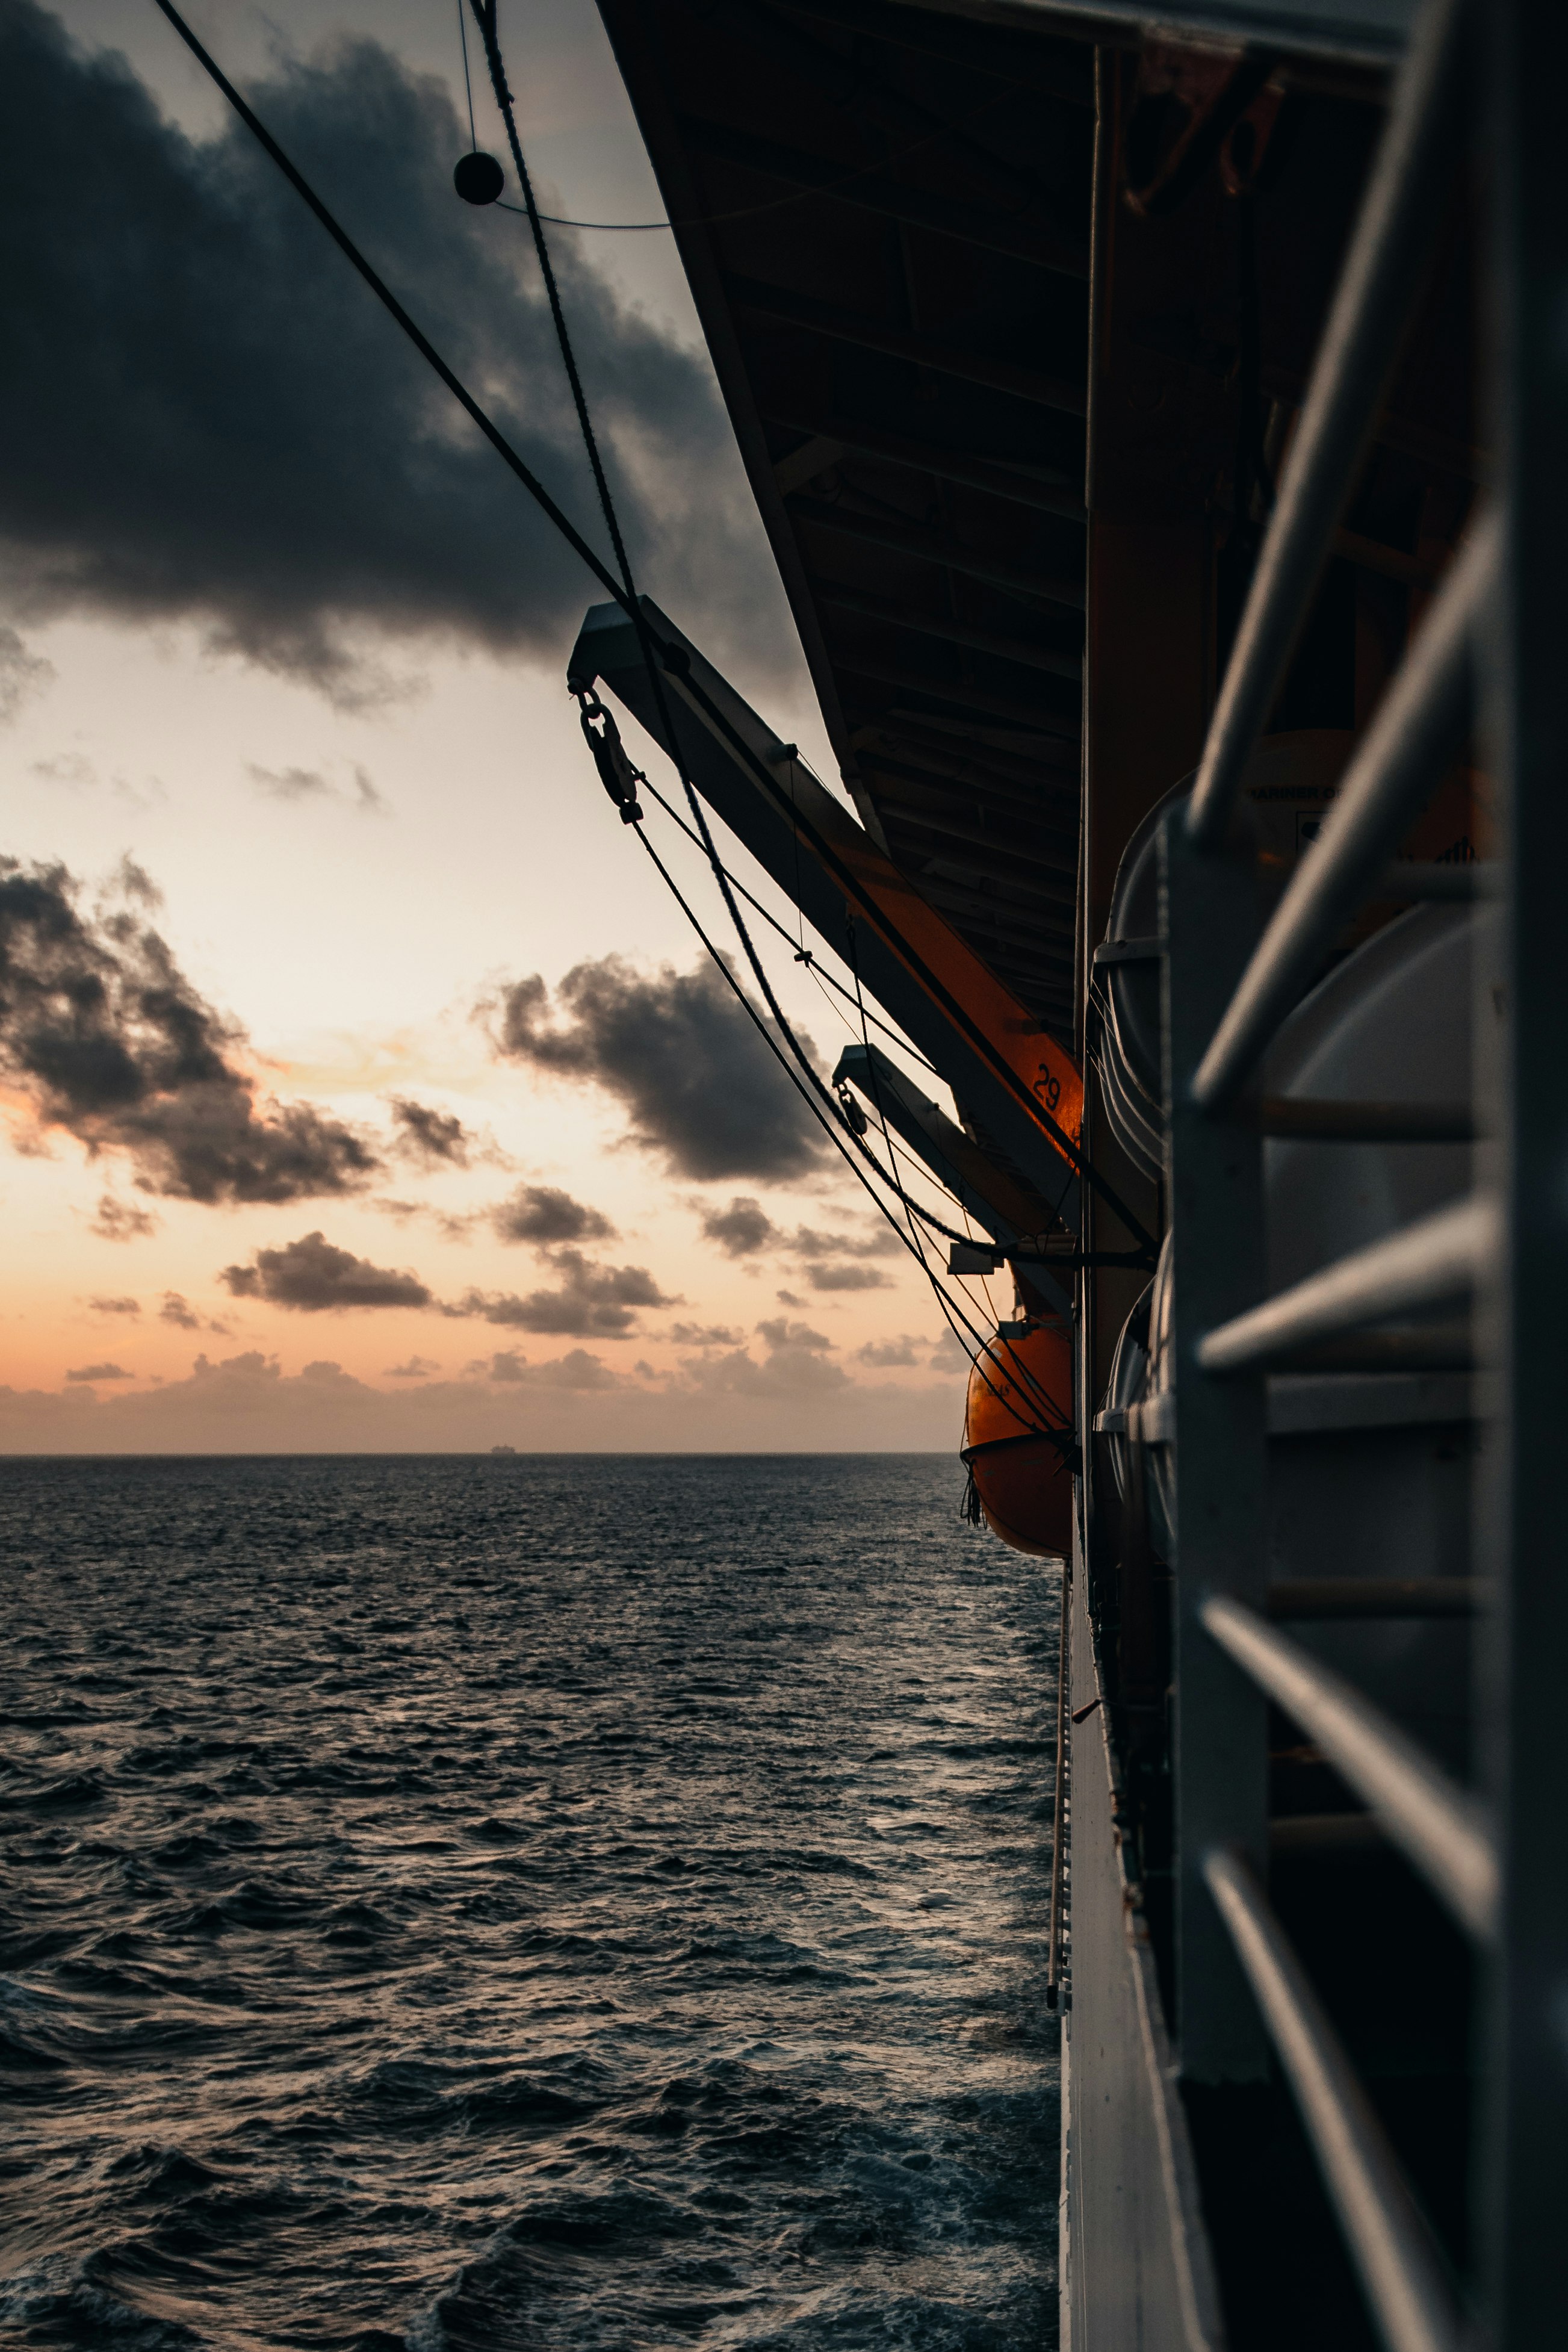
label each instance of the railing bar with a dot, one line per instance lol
(1388, 2240)
(1378, 290)
(1434, 1263)
(1419, 724)
(1438, 1826)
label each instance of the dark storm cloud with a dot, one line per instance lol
(314, 1276)
(433, 1139)
(592, 1300)
(543, 1213)
(698, 1084)
(108, 1039)
(741, 1230)
(206, 416)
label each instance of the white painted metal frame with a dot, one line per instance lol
(1494, 640)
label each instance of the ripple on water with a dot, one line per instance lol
(459, 1904)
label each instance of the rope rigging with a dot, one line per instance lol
(674, 656)
(593, 708)
(623, 592)
(622, 782)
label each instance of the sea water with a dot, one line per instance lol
(567, 1902)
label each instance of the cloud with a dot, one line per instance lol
(596, 1301)
(576, 1369)
(101, 1373)
(789, 1298)
(21, 675)
(432, 1139)
(745, 1230)
(311, 783)
(699, 1084)
(246, 1403)
(215, 421)
(543, 1213)
(779, 1333)
(315, 1277)
(115, 1306)
(887, 1354)
(741, 1230)
(847, 1277)
(418, 1368)
(66, 767)
(704, 1335)
(108, 1039)
(118, 1221)
(290, 784)
(133, 883)
(179, 1312)
(880, 1241)
(796, 1363)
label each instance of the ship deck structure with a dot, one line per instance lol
(1158, 427)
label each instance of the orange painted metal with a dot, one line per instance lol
(1018, 1388)
(1047, 1071)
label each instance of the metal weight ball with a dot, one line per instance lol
(478, 178)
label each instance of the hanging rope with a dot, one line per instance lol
(622, 590)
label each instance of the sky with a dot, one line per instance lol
(364, 1088)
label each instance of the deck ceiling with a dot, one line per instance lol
(884, 217)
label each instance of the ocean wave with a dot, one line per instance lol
(475, 1914)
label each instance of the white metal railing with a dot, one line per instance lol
(1440, 1827)
(1420, 724)
(1226, 993)
(1437, 1263)
(1388, 2240)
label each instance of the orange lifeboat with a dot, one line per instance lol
(1019, 1439)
